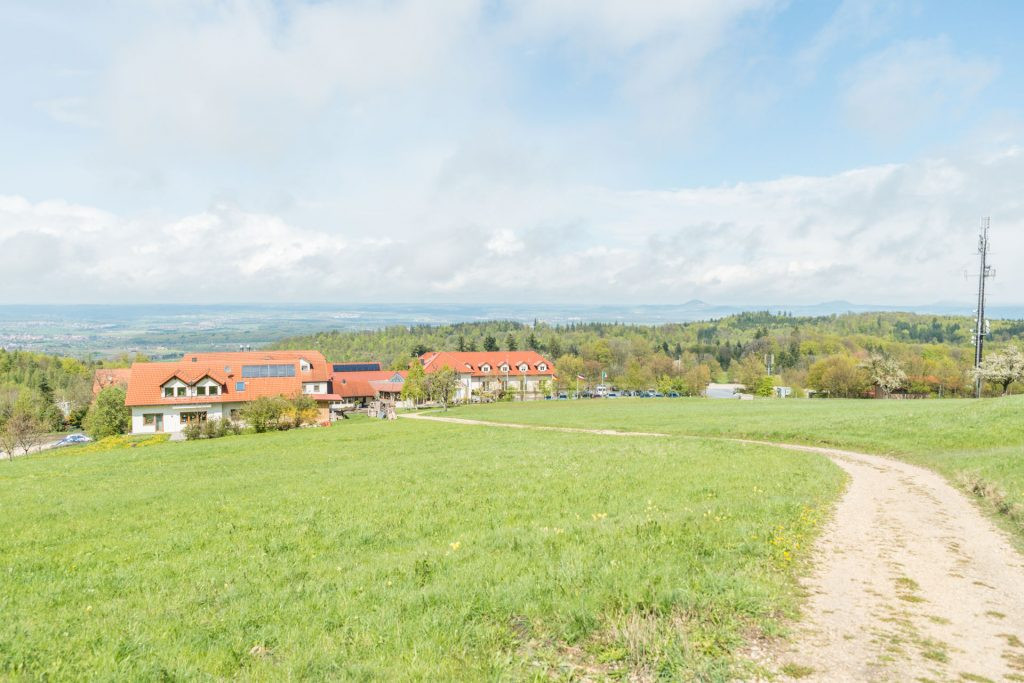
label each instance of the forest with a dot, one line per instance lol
(831, 355)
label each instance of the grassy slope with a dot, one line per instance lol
(957, 437)
(401, 551)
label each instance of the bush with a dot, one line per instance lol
(108, 415)
(265, 413)
(193, 430)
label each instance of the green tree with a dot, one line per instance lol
(414, 388)
(510, 342)
(748, 372)
(838, 376)
(441, 385)
(264, 413)
(490, 343)
(108, 415)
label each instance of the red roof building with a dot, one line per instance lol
(483, 373)
(164, 397)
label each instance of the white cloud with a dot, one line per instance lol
(884, 234)
(912, 84)
(241, 78)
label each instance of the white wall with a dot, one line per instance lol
(172, 415)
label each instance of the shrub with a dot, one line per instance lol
(108, 415)
(193, 430)
(265, 413)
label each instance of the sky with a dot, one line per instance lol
(531, 151)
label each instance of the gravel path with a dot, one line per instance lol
(910, 580)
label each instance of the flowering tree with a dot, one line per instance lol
(886, 373)
(1002, 368)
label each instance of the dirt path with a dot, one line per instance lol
(911, 581)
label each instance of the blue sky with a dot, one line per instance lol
(738, 151)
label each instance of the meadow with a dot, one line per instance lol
(404, 551)
(978, 445)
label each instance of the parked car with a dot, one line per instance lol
(562, 396)
(673, 394)
(72, 439)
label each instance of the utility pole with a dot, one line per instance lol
(981, 326)
(769, 362)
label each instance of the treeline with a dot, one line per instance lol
(934, 352)
(53, 391)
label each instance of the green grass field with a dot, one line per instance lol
(403, 551)
(979, 444)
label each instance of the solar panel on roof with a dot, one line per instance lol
(356, 367)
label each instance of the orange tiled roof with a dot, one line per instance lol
(147, 379)
(320, 368)
(471, 362)
(365, 383)
(110, 377)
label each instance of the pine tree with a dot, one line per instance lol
(510, 342)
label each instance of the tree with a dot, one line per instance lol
(749, 372)
(461, 344)
(886, 373)
(22, 430)
(490, 343)
(532, 342)
(765, 387)
(510, 342)
(441, 385)
(264, 413)
(1003, 368)
(414, 388)
(838, 376)
(108, 415)
(419, 350)
(301, 410)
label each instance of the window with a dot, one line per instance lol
(192, 418)
(200, 391)
(213, 391)
(523, 367)
(503, 368)
(180, 391)
(485, 368)
(542, 367)
(239, 386)
(149, 419)
(304, 365)
(168, 392)
(278, 370)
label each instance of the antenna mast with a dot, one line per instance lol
(981, 326)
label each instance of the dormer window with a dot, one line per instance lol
(485, 368)
(304, 365)
(542, 367)
(504, 367)
(214, 390)
(523, 367)
(168, 392)
(180, 391)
